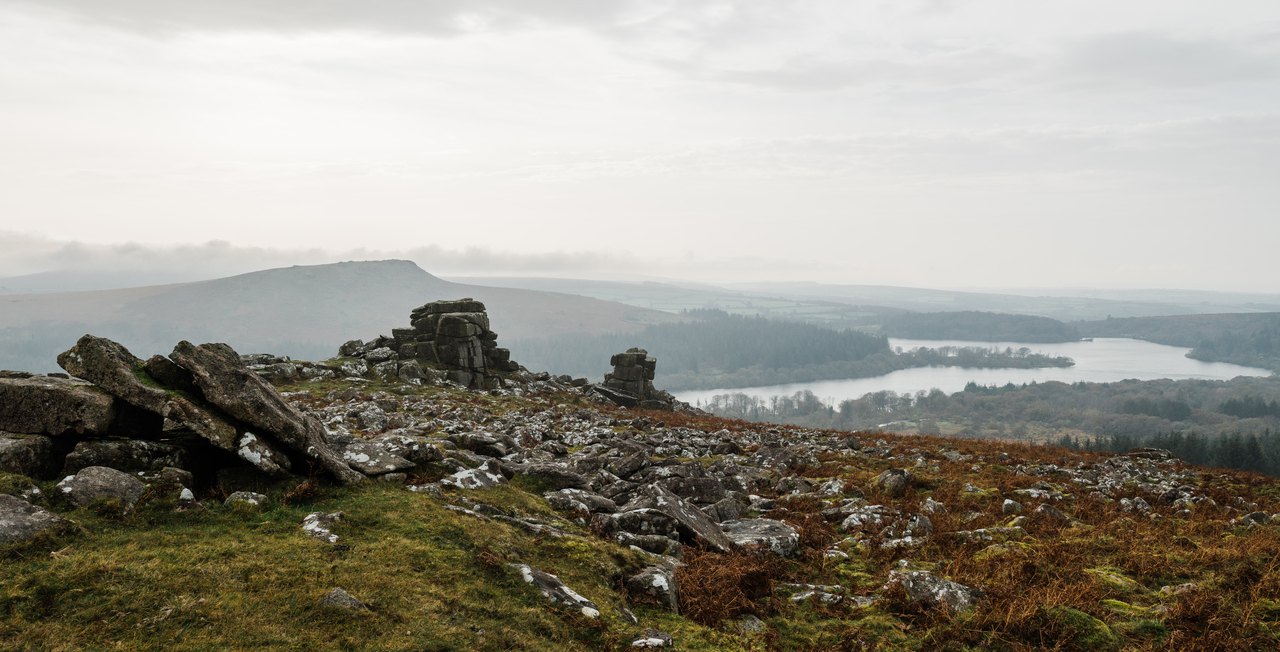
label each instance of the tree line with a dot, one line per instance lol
(1132, 409)
(1251, 452)
(713, 349)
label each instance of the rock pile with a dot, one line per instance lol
(451, 335)
(199, 410)
(631, 382)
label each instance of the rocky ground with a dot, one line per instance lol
(539, 515)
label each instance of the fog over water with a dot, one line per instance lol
(1102, 360)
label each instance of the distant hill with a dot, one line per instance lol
(1057, 306)
(865, 306)
(303, 311)
(87, 280)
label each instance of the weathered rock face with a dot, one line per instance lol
(456, 335)
(40, 405)
(224, 381)
(29, 455)
(126, 455)
(22, 521)
(224, 408)
(631, 382)
(451, 335)
(112, 367)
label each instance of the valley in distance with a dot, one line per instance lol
(365, 455)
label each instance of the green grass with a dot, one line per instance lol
(223, 579)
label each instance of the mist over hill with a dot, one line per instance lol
(302, 311)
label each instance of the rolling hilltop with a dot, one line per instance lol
(302, 311)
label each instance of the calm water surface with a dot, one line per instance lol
(1103, 360)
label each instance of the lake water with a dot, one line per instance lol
(1103, 360)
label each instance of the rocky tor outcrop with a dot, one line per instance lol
(452, 337)
(631, 382)
(224, 381)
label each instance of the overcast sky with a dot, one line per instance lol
(939, 143)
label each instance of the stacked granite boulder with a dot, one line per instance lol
(456, 335)
(198, 411)
(631, 383)
(453, 336)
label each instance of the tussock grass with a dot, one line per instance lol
(224, 579)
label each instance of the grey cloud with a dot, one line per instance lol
(937, 69)
(1145, 60)
(435, 17)
(1222, 147)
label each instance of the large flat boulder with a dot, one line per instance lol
(41, 405)
(224, 381)
(21, 521)
(763, 534)
(112, 367)
(694, 526)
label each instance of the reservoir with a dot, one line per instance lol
(1102, 360)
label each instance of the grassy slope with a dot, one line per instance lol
(216, 578)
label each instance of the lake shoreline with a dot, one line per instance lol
(1099, 360)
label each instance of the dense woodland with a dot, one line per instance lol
(1112, 413)
(977, 326)
(1250, 452)
(715, 349)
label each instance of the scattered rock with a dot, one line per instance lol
(692, 524)
(247, 500)
(554, 590)
(570, 500)
(652, 638)
(338, 598)
(488, 474)
(894, 482)
(657, 585)
(416, 449)
(320, 525)
(371, 459)
(99, 483)
(763, 534)
(21, 521)
(1253, 519)
(928, 589)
